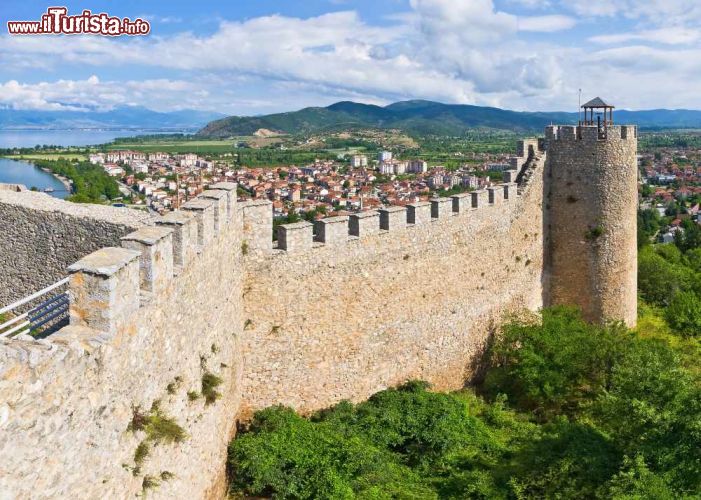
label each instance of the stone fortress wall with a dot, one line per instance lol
(347, 316)
(339, 311)
(145, 327)
(42, 235)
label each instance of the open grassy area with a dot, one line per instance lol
(51, 156)
(201, 146)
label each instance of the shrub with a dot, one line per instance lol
(167, 475)
(684, 314)
(164, 429)
(210, 382)
(555, 366)
(594, 233)
(157, 426)
(659, 279)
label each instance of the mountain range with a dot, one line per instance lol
(124, 117)
(427, 117)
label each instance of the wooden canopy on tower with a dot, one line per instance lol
(598, 106)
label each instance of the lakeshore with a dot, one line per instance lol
(64, 180)
(25, 172)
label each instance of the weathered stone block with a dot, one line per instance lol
(257, 218)
(441, 207)
(510, 175)
(479, 198)
(418, 213)
(510, 190)
(364, 223)
(231, 189)
(496, 194)
(220, 200)
(204, 215)
(461, 202)
(104, 289)
(155, 244)
(392, 218)
(332, 230)
(296, 237)
(184, 228)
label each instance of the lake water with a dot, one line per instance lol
(21, 172)
(31, 138)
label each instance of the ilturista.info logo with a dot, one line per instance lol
(56, 21)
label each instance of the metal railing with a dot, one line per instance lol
(40, 320)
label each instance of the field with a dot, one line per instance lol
(50, 156)
(203, 146)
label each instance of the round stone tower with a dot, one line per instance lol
(590, 213)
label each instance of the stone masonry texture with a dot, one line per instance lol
(592, 195)
(42, 236)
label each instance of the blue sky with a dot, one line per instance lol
(262, 56)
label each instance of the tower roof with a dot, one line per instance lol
(597, 102)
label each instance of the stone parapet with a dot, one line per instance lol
(296, 237)
(510, 191)
(364, 223)
(480, 198)
(392, 218)
(231, 190)
(461, 202)
(220, 200)
(496, 194)
(184, 228)
(332, 230)
(510, 175)
(155, 244)
(204, 216)
(441, 207)
(418, 213)
(257, 219)
(104, 289)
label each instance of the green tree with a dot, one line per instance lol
(684, 314)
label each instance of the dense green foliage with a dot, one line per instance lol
(266, 157)
(669, 276)
(593, 412)
(91, 184)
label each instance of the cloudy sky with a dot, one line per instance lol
(260, 56)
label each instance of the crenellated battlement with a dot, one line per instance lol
(590, 133)
(335, 231)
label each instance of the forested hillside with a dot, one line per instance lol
(428, 118)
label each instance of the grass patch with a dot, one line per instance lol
(594, 233)
(149, 483)
(140, 454)
(50, 156)
(210, 382)
(193, 395)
